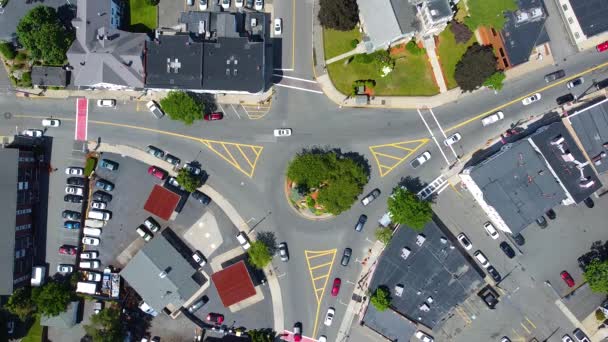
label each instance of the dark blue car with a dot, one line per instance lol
(71, 225)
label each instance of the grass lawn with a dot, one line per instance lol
(412, 76)
(143, 16)
(449, 54)
(35, 332)
(336, 42)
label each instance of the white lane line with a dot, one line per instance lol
(433, 136)
(442, 132)
(246, 112)
(279, 69)
(237, 113)
(298, 88)
(295, 78)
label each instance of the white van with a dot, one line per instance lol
(38, 275)
(243, 240)
(92, 231)
(89, 264)
(94, 223)
(99, 215)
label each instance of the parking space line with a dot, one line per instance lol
(237, 113)
(529, 321)
(525, 328)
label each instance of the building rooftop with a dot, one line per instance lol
(174, 62)
(524, 30)
(9, 158)
(582, 302)
(380, 20)
(439, 8)
(389, 324)
(590, 123)
(49, 76)
(233, 284)
(162, 202)
(591, 15)
(436, 270)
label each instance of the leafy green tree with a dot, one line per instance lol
(106, 326)
(406, 208)
(340, 15)
(20, 303)
(596, 275)
(52, 298)
(381, 298)
(152, 2)
(7, 50)
(310, 170)
(179, 105)
(476, 65)
(488, 13)
(262, 335)
(259, 254)
(187, 180)
(495, 81)
(384, 235)
(42, 34)
(339, 195)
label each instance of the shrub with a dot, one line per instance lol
(90, 166)
(381, 298)
(354, 43)
(476, 65)
(461, 32)
(152, 2)
(413, 48)
(26, 79)
(7, 50)
(310, 202)
(599, 316)
(363, 58)
(384, 235)
(21, 57)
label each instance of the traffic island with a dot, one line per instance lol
(305, 204)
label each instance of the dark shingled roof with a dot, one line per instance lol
(524, 30)
(592, 15)
(174, 62)
(49, 76)
(389, 324)
(591, 126)
(9, 159)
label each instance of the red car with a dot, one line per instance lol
(215, 318)
(336, 287)
(214, 116)
(69, 250)
(157, 172)
(602, 47)
(567, 278)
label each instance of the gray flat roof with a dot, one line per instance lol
(174, 62)
(524, 30)
(591, 15)
(591, 126)
(9, 159)
(582, 302)
(389, 324)
(438, 270)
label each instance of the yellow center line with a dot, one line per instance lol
(322, 265)
(555, 84)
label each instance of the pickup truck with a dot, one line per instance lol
(155, 109)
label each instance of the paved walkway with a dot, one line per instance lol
(359, 49)
(431, 52)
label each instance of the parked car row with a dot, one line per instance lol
(146, 230)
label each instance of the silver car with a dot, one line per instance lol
(283, 251)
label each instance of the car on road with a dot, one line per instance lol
(155, 109)
(322, 338)
(238, 3)
(65, 268)
(278, 26)
(51, 122)
(104, 185)
(259, 5)
(567, 338)
(72, 198)
(452, 139)
(155, 151)
(490, 230)
(198, 304)
(151, 224)
(77, 181)
(346, 256)
(90, 241)
(213, 116)
(335, 288)
(564, 99)
(76, 171)
(360, 223)
(492, 118)
(422, 336)
(505, 339)
(89, 255)
(575, 82)
(602, 46)
(201, 197)
(283, 251)
(67, 250)
(531, 99)
(108, 103)
(30, 132)
(102, 196)
(580, 336)
(507, 249)
(282, 132)
(71, 215)
(108, 164)
(71, 225)
(519, 239)
(143, 232)
(370, 197)
(329, 316)
(74, 190)
(567, 278)
(225, 4)
(464, 241)
(199, 258)
(541, 222)
(555, 75)
(173, 160)
(482, 259)
(243, 240)
(494, 273)
(157, 172)
(100, 205)
(421, 159)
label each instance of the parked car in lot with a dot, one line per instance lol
(198, 304)
(102, 196)
(541, 222)
(76, 181)
(575, 82)
(213, 116)
(421, 159)
(329, 316)
(489, 228)
(151, 224)
(35, 133)
(108, 164)
(567, 278)
(94, 232)
(259, 5)
(519, 239)
(157, 172)
(452, 139)
(73, 190)
(143, 232)
(51, 122)
(215, 318)
(555, 75)
(422, 336)
(492, 118)
(589, 202)
(335, 288)
(65, 268)
(567, 338)
(173, 160)
(531, 99)
(89, 255)
(71, 215)
(192, 168)
(91, 241)
(71, 225)
(201, 197)
(67, 250)
(225, 4)
(97, 307)
(199, 258)
(370, 197)
(346, 256)
(100, 215)
(76, 171)
(489, 296)
(89, 264)
(72, 198)
(580, 336)
(551, 214)
(243, 240)
(494, 273)
(104, 185)
(173, 181)
(464, 241)
(94, 276)
(202, 5)
(360, 223)
(482, 259)
(108, 103)
(155, 151)
(283, 251)
(278, 26)
(507, 249)
(155, 109)
(99, 205)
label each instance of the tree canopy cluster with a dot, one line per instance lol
(51, 299)
(106, 326)
(188, 181)
(44, 36)
(259, 254)
(181, 106)
(596, 275)
(406, 208)
(340, 15)
(339, 179)
(381, 298)
(476, 65)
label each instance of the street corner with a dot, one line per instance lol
(389, 156)
(243, 157)
(251, 111)
(319, 265)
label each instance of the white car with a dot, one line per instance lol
(322, 338)
(278, 26)
(482, 259)
(199, 258)
(93, 276)
(489, 227)
(202, 5)
(258, 5)
(72, 190)
(490, 119)
(421, 159)
(225, 4)
(329, 316)
(531, 99)
(36, 133)
(238, 3)
(74, 171)
(63, 268)
(89, 255)
(91, 241)
(454, 138)
(51, 123)
(424, 337)
(464, 241)
(99, 205)
(109, 103)
(282, 132)
(567, 338)
(575, 82)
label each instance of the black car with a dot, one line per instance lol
(542, 222)
(72, 198)
(589, 202)
(360, 223)
(71, 215)
(201, 197)
(565, 99)
(155, 151)
(551, 214)
(173, 160)
(489, 296)
(102, 196)
(198, 304)
(555, 75)
(346, 256)
(104, 185)
(494, 273)
(507, 249)
(77, 181)
(249, 3)
(519, 239)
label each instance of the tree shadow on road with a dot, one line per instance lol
(415, 185)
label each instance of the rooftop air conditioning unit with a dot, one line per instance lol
(587, 183)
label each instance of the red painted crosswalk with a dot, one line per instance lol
(82, 114)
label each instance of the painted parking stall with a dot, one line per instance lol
(82, 115)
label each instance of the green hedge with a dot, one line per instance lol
(7, 50)
(90, 166)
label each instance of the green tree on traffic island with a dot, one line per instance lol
(20, 303)
(596, 275)
(106, 326)
(52, 298)
(44, 36)
(381, 298)
(262, 335)
(259, 255)
(181, 106)
(406, 208)
(476, 65)
(384, 235)
(187, 180)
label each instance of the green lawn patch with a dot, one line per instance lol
(35, 332)
(450, 53)
(412, 76)
(337, 42)
(488, 13)
(142, 16)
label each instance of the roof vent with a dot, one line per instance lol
(587, 183)
(434, 12)
(568, 157)
(234, 72)
(227, 72)
(162, 274)
(558, 140)
(173, 66)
